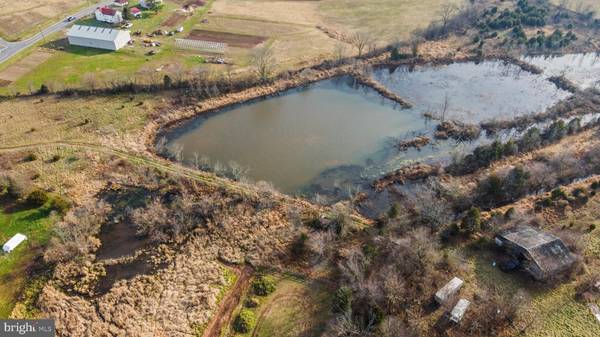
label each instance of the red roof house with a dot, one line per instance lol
(136, 12)
(107, 14)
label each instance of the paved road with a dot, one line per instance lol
(9, 49)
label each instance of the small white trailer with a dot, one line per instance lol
(448, 291)
(459, 310)
(13, 242)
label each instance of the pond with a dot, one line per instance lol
(288, 140)
(336, 134)
(472, 92)
(581, 69)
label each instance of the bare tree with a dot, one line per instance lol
(360, 41)
(446, 13)
(263, 60)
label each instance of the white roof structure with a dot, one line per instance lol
(98, 37)
(459, 310)
(448, 290)
(91, 32)
(13, 242)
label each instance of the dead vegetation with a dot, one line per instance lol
(209, 225)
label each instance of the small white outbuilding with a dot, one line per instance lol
(449, 290)
(459, 310)
(13, 242)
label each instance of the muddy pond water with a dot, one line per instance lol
(336, 133)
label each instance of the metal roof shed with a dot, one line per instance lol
(13, 242)
(459, 310)
(449, 290)
(541, 254)
(98, 37)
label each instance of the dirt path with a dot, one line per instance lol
(165, 165)
(228, 304)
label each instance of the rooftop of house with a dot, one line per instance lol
(107, 11)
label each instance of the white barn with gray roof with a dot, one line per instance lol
(98, 37)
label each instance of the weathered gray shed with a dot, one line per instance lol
(449, 290)
(541, 254)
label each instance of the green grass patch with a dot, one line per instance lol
(297, 307)
(77, 66)
(35, 224)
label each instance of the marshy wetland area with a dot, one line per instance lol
(278, 196)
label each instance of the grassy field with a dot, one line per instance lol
(296, 308)
(72, 66)
(90, 119)
(290, 27)
(385, 20)
(23, 18)
(553, 311)
(35, 224)
(580, 5)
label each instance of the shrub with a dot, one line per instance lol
(43, 89)
(558, 193)
(30, 157)
(36, 198)
(595, 185)
(299, 245)
(245, 321)
(393, 212)
(14, 187)
(471, 223)
(251, 302)
(342, 300)
(60, 204)
(55, 158)
(263, 286)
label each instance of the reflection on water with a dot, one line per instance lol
(581, 69)
(334, 136)
(472, 92)
(290, 139)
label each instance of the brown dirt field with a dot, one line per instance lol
(25, 65)
(18, 17)
(4, 83)
(175, 19)
(234, 40)
(197, 3)
(223, 315)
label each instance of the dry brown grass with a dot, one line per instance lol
(385, 20)
(21, 17)
(93, 119)
(291, 26)
(580, 5)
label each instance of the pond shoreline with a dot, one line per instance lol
(157, 131)
(159, 127)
